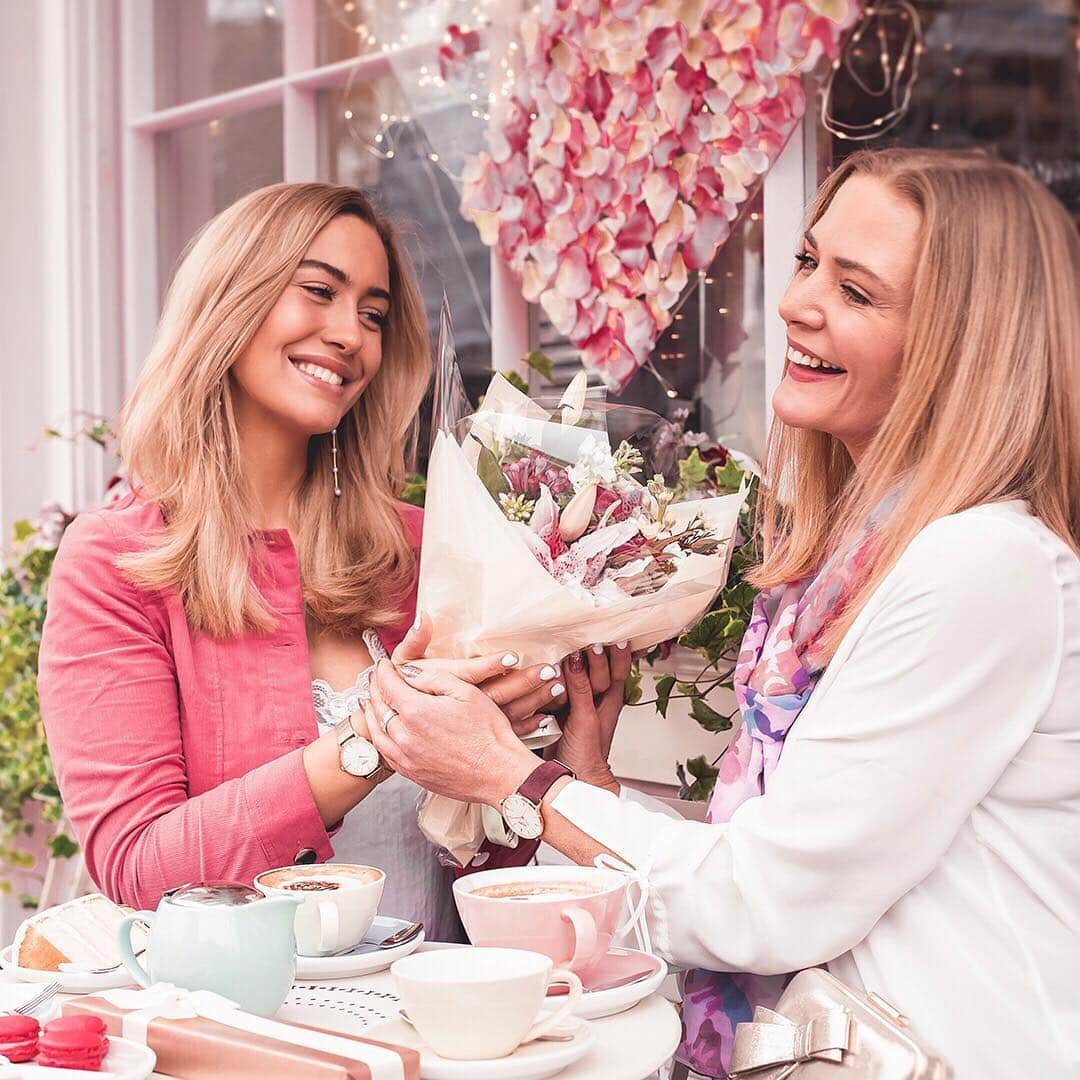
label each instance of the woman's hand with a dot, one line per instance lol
(523, 695)
(444, 734)
(596, 699)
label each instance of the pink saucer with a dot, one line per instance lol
(618, 968)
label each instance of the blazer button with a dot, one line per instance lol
(304, 856)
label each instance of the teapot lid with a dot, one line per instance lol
(213, 894)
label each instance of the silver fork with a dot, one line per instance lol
(45, 995)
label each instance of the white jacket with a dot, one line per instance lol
(921, 832)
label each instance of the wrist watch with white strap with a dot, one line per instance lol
(358, 756)
(521, 810)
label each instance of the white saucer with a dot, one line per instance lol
(71, 982)
(364, 959)
(534, 1061)
(595, 1004)
(126, 1060)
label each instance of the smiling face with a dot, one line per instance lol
(321, 344)
(846, 312)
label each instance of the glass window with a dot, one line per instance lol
(366, 145)
(206, 47)
(203, 168)
(999, 74)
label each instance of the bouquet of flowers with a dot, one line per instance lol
(549, 530)
(546, 532)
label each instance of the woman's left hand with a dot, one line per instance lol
(445, 735)
(523, 694)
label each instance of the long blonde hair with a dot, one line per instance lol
(179, 439)
(987, 404)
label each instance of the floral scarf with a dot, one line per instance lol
(778, 667)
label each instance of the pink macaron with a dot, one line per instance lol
(18, 1037)
(73, 1042)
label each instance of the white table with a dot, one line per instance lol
(632, 1045)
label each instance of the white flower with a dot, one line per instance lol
(595, 465)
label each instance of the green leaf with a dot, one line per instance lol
(686, 687)
(708, 717)
(704, 775)
(664, 685)
(632, 688)
(22, 530)
(491, 475)
(728, 477)
(62, 846)
(27, 901)
(541, 363)
(515, 380)
(710, 637)
(692, 471)
(415, 490)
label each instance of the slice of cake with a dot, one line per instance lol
(82, 932)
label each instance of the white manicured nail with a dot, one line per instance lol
(547, 672)
(557, 689)
(419, 620)
(620, 644)
(598, 649)
(510, 659)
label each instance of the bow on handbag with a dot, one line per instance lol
(776, 1044)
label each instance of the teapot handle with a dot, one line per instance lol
(123, 941)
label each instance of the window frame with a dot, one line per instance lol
(786, 187)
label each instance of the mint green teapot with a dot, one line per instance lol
(219, 936)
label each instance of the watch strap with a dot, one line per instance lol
(537, 784)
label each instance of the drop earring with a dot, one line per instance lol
(333, 461)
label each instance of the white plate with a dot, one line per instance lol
(595, 1004)
(126, 1060)
(70, 982)
(534, 1061)
(364, 959)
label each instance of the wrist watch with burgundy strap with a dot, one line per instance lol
(521, 810)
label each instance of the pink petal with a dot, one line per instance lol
(636, 232)
(640, 333)
(663, 45)
(561, 310)
(660, 189)
(560, 233)
(597, 94)
(712, 229)
(549, 183)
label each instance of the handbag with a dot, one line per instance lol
(824, 1030)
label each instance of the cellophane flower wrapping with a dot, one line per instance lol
(541, 532)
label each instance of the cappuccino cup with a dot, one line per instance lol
(477, 1004)
(338, 902)
(568, 913)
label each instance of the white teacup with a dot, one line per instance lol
(475, 1004)
(339, 902)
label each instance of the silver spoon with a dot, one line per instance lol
(399, 937)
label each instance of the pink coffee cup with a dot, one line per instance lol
(569, 913)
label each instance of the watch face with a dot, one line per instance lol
(522, 817)
(359, 757)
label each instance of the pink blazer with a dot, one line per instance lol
(179, 757)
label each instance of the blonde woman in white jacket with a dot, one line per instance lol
(902, 801)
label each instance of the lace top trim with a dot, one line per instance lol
(333, 706)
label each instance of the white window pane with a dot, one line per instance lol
(206, 47)
(206, 167)
(348, 28)
(411, 188)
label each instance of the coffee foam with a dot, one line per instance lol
(538, 890)
(327, 877)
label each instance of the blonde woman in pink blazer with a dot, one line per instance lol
(207, 635)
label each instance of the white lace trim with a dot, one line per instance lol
(332, 706)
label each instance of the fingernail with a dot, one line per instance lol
(510, 659)
(621, 644)
(557, 689)
(575, 662)
(598, 649)
(547, 673)
(419, 620)
(411, 670)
